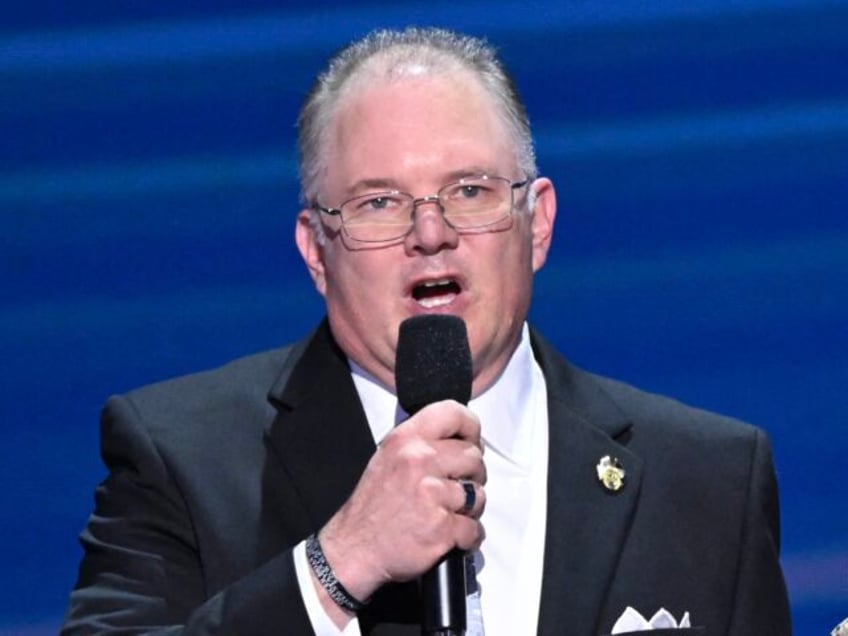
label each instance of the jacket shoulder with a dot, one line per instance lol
(661, 411)
(616, 406)
(237, 391)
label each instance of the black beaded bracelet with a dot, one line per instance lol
(324, 574)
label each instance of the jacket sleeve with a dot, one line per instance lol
(761, 603)
(142, 571)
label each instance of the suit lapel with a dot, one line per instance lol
(320, 434)
(587, 524)
(322, 440)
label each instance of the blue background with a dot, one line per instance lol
(148, 190)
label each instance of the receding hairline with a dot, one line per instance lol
(386, 56)
(399, 64)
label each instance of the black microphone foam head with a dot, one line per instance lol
(433, 361)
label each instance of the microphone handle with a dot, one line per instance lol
(443, 597)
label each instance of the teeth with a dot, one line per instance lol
(430, 303)
(436, 283)
(436, 293)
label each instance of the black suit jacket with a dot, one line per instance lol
(214, 477)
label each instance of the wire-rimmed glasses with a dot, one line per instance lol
(470, 204)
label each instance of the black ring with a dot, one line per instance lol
(470, 496)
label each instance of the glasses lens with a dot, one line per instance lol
(468, 204)
(476, 202)
(381, 216)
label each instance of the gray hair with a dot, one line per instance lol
(396, 53)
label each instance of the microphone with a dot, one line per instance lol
(433, 364)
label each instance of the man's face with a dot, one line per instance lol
(417, 134)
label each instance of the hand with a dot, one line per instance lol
(406, 511)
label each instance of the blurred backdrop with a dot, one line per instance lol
(148, 191)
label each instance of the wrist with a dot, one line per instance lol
(327, 578)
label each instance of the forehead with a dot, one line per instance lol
(416, 126)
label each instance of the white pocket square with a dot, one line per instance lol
(633, 621)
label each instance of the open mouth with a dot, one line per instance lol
(436, 293)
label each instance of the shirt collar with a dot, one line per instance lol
(503, 408)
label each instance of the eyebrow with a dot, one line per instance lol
(373, 184)
(471, 171)
(391, 184)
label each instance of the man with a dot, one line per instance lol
(286, 493)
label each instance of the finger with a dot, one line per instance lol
(469, 533)
(459, 459)
(473, 499)
(447, 419)
(457, 496)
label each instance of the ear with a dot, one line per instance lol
(311, 250)
(542, 223)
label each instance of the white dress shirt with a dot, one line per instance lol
(514, 417)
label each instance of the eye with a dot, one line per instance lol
(477, 192)
(376, 203)
(469, 191)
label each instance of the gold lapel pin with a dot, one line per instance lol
(611, 473)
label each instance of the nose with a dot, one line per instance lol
(430, 232)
